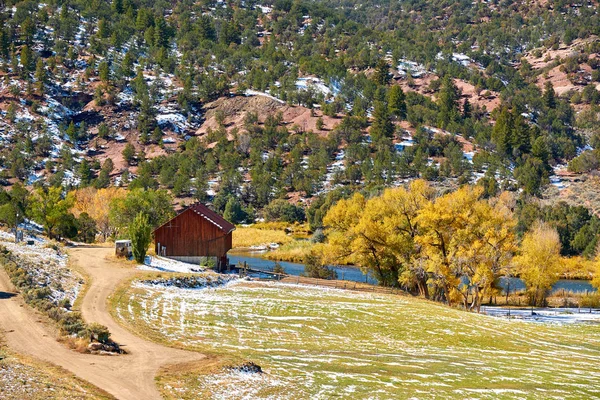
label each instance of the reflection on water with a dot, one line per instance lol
(254, 260)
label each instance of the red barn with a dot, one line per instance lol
(195, 233)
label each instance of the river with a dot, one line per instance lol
(354, 274)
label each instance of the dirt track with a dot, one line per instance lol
(128, 376)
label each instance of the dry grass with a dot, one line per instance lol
(295, 251)
(244, 237)
(22, 377)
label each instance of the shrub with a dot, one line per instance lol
(590, 300)
(278, 268)
(318, 236)
(72, 323)
(314, 268)
(281, 210)
(99, 332)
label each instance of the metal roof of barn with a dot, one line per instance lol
(208, 215)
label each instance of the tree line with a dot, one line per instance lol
(452, 247)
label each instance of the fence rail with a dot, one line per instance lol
(339, 284)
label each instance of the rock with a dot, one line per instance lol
(247, 367)
(95, 346)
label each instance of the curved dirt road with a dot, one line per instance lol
(126, 377)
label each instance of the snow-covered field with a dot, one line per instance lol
(326, 343)
(47, 264)
(154, 263)
(547, 315)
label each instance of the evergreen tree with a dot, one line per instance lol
(382, 73)
(103, 180)
(72, 133)
(26, 59)
(157, 135)
(448, 102)
(40, 76)
(85, 172)
(129, 153)
(467, 109)
(117, 6)
(502, 132)
(4, 44)
(549, 95)
(397, 102)
(161, 38)
(104, 72)
(127, 65)
(103, 131)
(520, 136)
(382, 126)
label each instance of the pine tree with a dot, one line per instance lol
(382, 73)
(26, 58)
(161, 38)
(128, 153)
(382, 126)
(85, 172)
(549, 95)
(467, 109)
(448, 102)
(103, 180)
(397, 102)
(4, 44)
(117, 6)
(103, 131)
(157, 135)
(502, 132)
(127, 65)
(104, 72)
(520, 136)
(72, 133)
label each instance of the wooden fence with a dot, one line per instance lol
(339, 284)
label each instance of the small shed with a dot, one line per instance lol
(194, 234)
(123, 248)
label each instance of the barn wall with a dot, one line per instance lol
(190, 235)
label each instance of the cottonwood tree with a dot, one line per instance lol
(539, 263)
(378, 234)
(466, 243)
(15, 207)
(96, 203)
(49, 207)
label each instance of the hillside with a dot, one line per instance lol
(128, 82)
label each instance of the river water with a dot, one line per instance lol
(354, 274)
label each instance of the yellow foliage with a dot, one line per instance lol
(540, 263)
(244, 237)
(96, 203)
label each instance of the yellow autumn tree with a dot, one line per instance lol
(377, 234)
(539, 263)
(96, 202)
(466, 242)
(487, 252)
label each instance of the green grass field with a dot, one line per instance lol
(318, 343)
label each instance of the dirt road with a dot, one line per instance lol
(126, 377)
